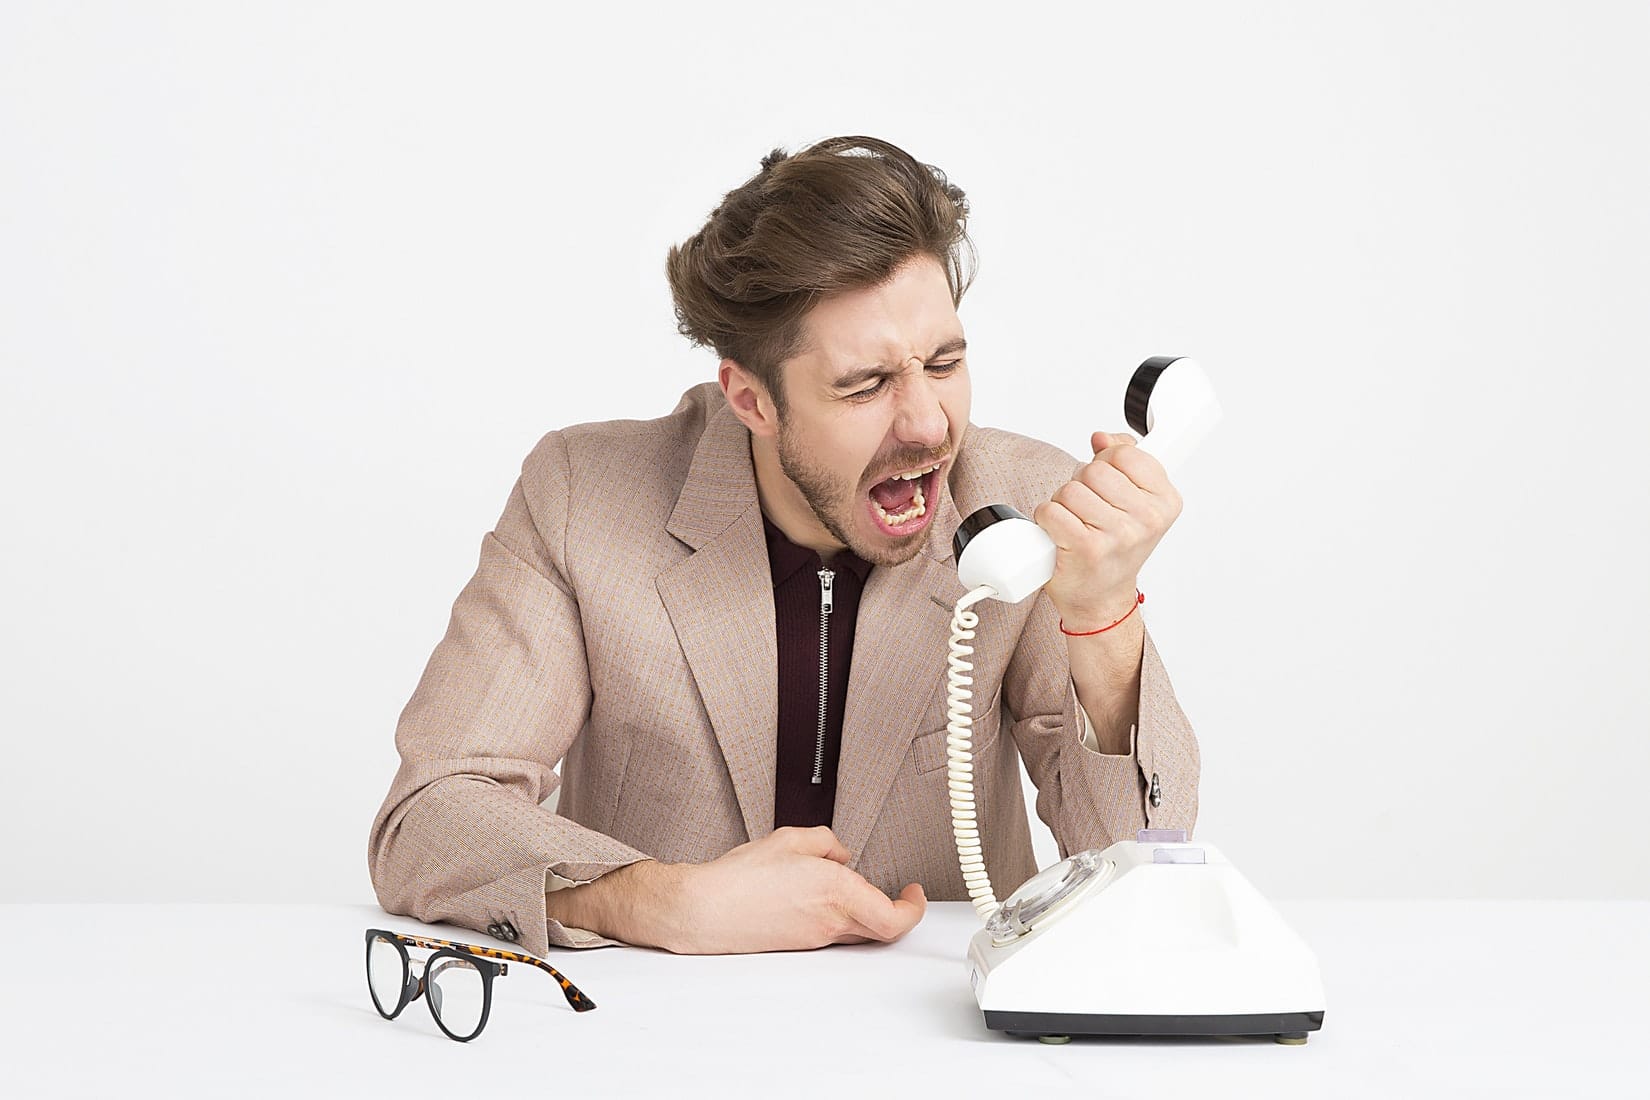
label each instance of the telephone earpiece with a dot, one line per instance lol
(1170, 402)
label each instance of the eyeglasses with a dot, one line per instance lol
(456, 981)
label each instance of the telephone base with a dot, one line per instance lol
(1152, 936)
(1293, 1025)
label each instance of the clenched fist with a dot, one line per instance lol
(1105, 522)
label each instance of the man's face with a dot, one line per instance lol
(880, 390)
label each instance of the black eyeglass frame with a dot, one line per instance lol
(413, 988)
(469, 954)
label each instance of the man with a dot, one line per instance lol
(729, 626)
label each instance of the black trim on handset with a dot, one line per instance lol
(979, 521)
(1139, 393)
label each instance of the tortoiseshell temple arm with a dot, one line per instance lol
(578, 1000)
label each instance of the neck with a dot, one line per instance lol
(783, 503)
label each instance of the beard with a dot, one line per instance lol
(834, 501)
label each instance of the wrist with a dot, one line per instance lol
(1102, 614)
(638, 903)
(665, 906)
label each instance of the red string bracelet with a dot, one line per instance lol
(1140, 598)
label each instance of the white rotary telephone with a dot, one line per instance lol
(1152, 936)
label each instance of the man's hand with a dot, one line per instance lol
(1105, 522)
(788, 891)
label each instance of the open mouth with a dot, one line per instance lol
(900, 505)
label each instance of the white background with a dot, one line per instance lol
(288, 291)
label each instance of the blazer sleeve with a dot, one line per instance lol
(461, 836)
(1091, 799)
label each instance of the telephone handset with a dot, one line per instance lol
(1170, 402)
(1001, 554)
(1150, 936)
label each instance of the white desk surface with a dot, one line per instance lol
(1530, 998)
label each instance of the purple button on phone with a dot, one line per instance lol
(1161, 836)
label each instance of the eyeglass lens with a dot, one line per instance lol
(457, 993)
(386, 974)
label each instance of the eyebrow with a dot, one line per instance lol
(862, 375)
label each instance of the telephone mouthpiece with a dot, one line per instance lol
(999, 546)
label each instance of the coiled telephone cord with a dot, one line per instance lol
(959, 740)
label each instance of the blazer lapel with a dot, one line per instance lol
(900, 651)
(720, 602)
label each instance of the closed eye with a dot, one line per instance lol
(941, 369)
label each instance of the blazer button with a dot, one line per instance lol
(495, 931)
(1156, 796)
(507, 931)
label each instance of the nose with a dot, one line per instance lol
(919, 418)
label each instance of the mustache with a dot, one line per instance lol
(907, 460)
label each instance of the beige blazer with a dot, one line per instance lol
(621, 624)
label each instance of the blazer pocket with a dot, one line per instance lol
(928, 750)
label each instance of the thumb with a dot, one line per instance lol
(914, 895)
(1101, 440)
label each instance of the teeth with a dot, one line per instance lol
(914, 474)
(919, 508)
(914, 512)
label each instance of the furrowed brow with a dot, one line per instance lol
(862, 375)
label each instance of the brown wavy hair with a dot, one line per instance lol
(843, 214)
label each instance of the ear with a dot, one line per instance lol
(749, 398)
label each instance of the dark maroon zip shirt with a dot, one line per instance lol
(797, 599)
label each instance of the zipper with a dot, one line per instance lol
(826, 576)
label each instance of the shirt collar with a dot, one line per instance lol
(786, 557)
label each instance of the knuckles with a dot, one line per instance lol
(1044, 512)
(1099, 474)
(1070, 495)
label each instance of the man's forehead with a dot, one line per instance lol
(910, 314)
